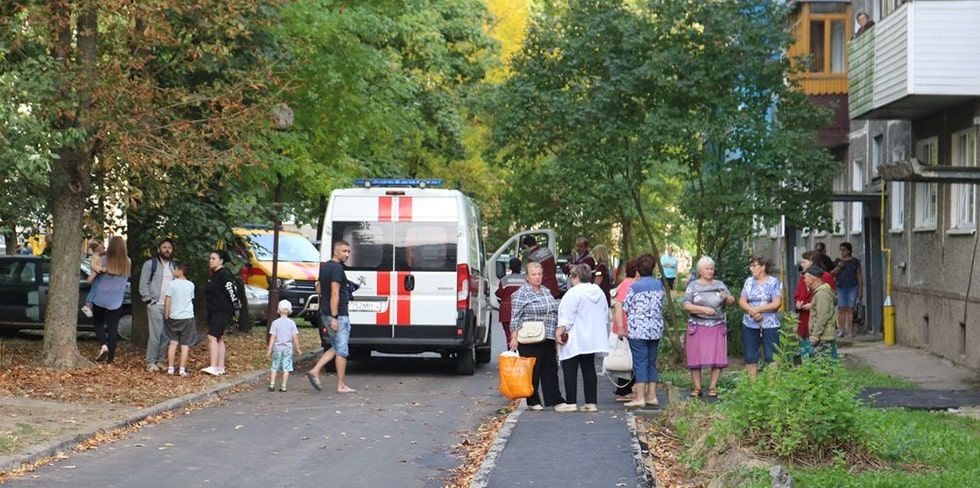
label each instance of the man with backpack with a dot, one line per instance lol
(156, 273)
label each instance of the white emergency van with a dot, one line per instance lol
(417, 256)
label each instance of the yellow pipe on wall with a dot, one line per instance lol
(888, 310)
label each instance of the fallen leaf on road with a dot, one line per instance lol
(239, 426)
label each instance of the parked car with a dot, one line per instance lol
(24, 282)
(258, 303)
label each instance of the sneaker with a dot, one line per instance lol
(219, 371)
(211, 370)
(590, 407)
(566, 407)
(272, 387)
(282, 388)
(87, 311)
(182, 373)
(152, 368)
(536, 408)
(170, 371)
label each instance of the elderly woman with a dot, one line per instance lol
(705, 301)
(644, 308)
(761, 297)
(583, 328)
(803, 296)
(534, 302)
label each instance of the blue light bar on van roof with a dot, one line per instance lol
(396, 182)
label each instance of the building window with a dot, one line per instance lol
(838, 207)
(897, 196)
(857, 185)
(927, 194)
(828, 34)
(963, 197)
(877, 153)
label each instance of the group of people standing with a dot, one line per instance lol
(576, 322)
(169, 297)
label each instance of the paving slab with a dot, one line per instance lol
(920, 367)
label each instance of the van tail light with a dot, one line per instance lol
(462, 286)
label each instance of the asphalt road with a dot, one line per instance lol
(398, 430)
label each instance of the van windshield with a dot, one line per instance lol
(292, 248)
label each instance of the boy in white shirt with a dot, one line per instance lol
(282, 342)
(178, 312)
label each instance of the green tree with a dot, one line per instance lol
(131, 102)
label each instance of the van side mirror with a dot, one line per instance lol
(501, 269)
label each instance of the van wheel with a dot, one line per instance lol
(466, 361)
(126, 327)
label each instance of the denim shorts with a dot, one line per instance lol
(847, 297)
(282, 361)
(339, 338)
(752, 339)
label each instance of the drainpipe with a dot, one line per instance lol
(888, 310)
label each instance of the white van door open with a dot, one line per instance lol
(496, 265)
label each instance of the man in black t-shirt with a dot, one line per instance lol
(332, 288)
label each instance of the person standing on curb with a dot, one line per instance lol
(155, 274)
(583, 332)
(110, 287)
(222, 302)
(178, 310)
(332, 288)
(505, 291)
(823, 314)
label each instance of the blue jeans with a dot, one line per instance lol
(338, 338)
(847, 297)
(645, 359)
(753, 338)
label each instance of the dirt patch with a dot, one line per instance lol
(25, 422)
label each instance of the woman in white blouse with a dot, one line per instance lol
(583, 328)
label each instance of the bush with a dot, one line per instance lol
(806, 410)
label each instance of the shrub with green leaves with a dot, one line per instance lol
(809, 409)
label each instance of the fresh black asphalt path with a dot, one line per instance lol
(398, 430)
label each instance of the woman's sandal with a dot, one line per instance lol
(696, 392)
(713, 392)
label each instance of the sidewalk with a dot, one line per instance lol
(547, 448)
(942, 385)
(925, 370)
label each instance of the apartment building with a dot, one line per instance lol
(914, 104)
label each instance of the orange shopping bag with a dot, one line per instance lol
(515, 375)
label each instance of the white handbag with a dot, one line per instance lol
(619, 359)
(531, 332)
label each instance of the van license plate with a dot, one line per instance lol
(359, 306)
(313, 306)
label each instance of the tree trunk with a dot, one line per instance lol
(10, 240)
(134, 247)
(70, 182)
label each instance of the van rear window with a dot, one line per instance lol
(425, 246)
(371, 244)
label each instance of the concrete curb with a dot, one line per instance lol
(499, 443)
(65, 444)
(643, 478)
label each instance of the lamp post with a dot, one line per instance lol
(282, 120)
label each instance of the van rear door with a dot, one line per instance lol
(403, 257)
(496, 267)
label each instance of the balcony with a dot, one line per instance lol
(920, 59)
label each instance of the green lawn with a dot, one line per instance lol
(946, 447)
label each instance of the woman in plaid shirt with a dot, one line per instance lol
(535, 302)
